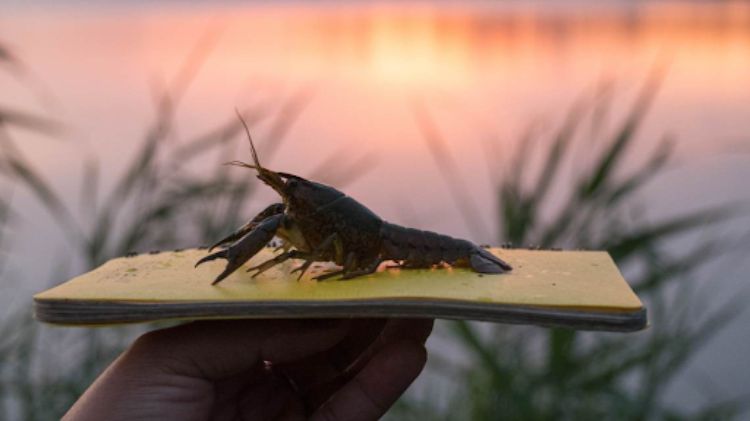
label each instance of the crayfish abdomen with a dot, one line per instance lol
(316, 222)
(417, 248)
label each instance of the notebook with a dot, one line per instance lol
(573, 289)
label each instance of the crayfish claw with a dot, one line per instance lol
(231, 238)
(217, 244)
(221, 276)
(241, 251)
(269, 211)
(218, 255)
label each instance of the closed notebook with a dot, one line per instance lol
(575, 289)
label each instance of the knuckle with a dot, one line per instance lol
(147, 343)
(153, 343)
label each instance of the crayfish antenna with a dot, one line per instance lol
(267, 176)
(254, 153)
(241, 164)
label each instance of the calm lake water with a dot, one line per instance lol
(485, 71)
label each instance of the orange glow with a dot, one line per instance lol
(418, 49)
(485, 69)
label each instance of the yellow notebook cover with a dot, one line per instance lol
(577, 289)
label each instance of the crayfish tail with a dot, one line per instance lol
(483, 261)
(418, 248)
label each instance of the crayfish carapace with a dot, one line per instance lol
(319, 223)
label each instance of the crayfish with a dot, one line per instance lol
(318, 223)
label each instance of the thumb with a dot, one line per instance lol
(168, 373)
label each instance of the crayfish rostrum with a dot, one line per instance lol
(317, 222)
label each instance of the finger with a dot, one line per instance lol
(323, 367)
(365, 337)
(380, 383)
(255, 394)
(417, 330)
(218, 349)
(228, 389)
(396, 330)
(293, 411)
(319, 369)
(267, 399)
(362, 334)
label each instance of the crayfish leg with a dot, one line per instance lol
(365, 271)
(268, 264)
(349, 263)
(316, 255)
(329, 275)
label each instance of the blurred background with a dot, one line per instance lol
(602, 125)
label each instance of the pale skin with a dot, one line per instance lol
(261, 370)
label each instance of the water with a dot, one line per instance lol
(485, 71)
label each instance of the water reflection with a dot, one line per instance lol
(484, 70)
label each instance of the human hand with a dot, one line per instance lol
(261, 369)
